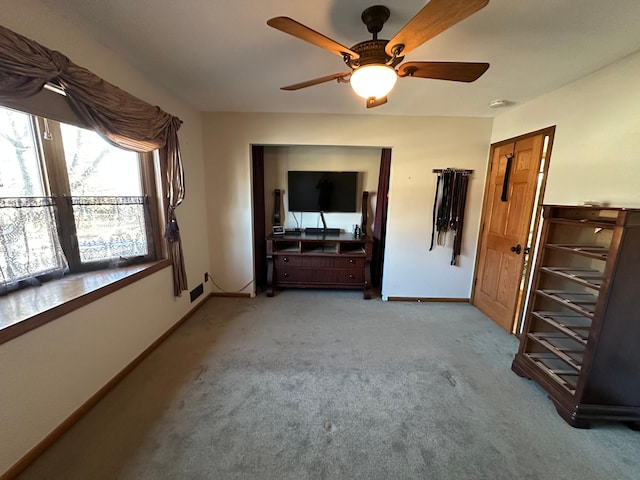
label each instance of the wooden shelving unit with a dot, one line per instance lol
(581, 338)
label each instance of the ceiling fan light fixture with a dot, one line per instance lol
(373, 62)
(373, 80)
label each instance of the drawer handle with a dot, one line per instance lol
(285, 259)
(286, 275)
(351, 275)
(351, 260)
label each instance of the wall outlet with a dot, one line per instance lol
(206, 276)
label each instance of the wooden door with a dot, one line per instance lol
(505, 229)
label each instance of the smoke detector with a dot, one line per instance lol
(497, 103)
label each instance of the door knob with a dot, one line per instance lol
(517, 249)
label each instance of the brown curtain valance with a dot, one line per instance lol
(122, 119)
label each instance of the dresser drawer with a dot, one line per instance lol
(319, 261)
(284, 275)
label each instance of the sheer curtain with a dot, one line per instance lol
(124, 120)
(29, 242)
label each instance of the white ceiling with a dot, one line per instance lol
(220, 55)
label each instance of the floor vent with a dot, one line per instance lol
(196, 292)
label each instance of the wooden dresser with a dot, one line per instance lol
(319, 261)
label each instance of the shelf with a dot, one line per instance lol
(352, 248)
(318, 247)
(582, 311)
(562, 347)
(555, 368)
(330, 249)
(591, 251)
(602, 223)
(586, 277)
(287, 248)
(571, 324)
(580, 302)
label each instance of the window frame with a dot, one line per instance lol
(105, 278)
(55, 177)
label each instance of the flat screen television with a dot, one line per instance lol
(322, 191)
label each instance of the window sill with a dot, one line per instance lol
(32, 307)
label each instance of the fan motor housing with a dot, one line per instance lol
(372, 52)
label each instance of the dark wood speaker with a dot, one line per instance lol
(365, 213)
(276, 207)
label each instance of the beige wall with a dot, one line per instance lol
(281, 159)
(46, 374)
(595, 152)
(419, 144)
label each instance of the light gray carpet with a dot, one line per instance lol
(325, 385)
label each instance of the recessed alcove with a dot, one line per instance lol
(270, 167)
(278, 160)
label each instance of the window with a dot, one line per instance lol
(70, 201)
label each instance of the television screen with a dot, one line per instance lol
(322, 191)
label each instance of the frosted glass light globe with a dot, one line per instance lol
(373, 80)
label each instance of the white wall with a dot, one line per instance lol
(419, 144)
(279, 160)
(46, 374)
(595, 151)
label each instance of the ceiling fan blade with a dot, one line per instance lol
(316, 81)
(455, 71)
(290, 26)
(376, 102)
(434, 18)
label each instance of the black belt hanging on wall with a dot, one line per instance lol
(507, 174)
(448, 207)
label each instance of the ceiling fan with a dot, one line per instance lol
(376, 64)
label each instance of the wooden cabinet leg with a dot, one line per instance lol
(367, 280)
(269, 276)
(517, 369)
(581, 424)
(571, 418)
(635, 426)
